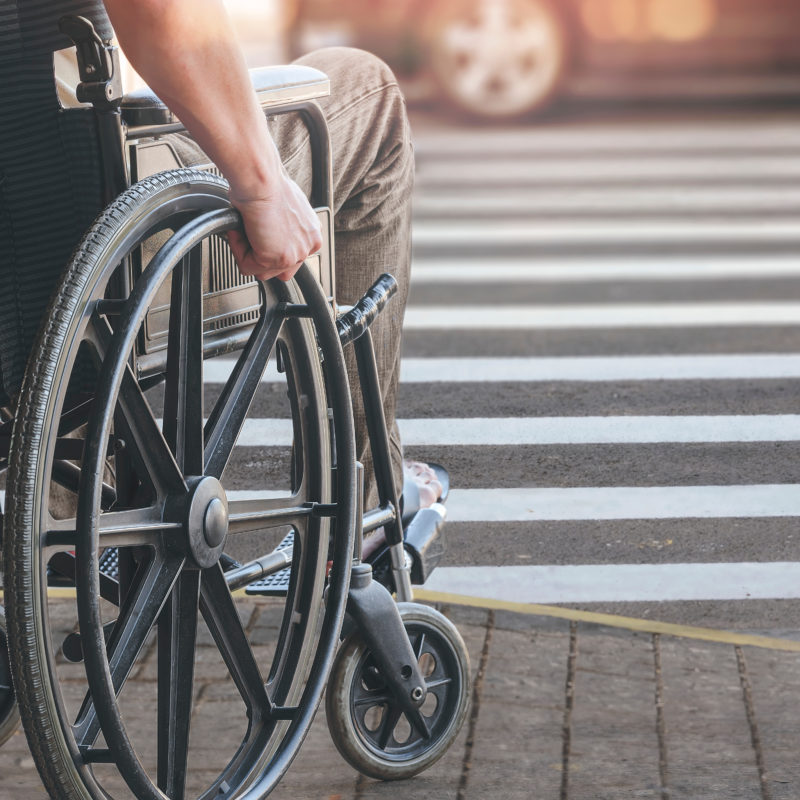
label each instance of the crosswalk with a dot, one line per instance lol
(605, 321)
(602, 345)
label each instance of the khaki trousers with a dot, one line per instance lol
(373, 175)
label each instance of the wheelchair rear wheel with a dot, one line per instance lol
(142, 470)
(9, 713)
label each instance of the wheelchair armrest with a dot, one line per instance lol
(275, 86)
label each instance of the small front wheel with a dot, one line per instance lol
(9, 713)
(368, 727)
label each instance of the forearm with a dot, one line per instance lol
(195, 65)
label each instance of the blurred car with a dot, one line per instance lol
(506, 58)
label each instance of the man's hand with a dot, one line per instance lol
(281, 231)
(204, 81)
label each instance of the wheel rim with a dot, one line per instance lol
(499, 57)
(379, 721)
(167, 588)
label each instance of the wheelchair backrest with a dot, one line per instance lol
(51, 184)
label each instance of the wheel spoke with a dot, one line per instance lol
(377, 699)
(431, 685)
(227, 418)
(148, 444)
(125, 528)
(137, 617)
(392, 717)
(155, 463)
(133, 526)
(177, 635)
(183, 395)
(255, 515)
(417, 721)
(219, 612)
(418, 646)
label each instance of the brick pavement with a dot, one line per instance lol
(564, 710)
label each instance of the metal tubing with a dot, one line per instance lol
(378, 436)
(377, 518)
(259, 568)
(401, 574)
(358, 545)
(112, 151)
(319, 142)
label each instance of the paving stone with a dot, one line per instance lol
(613, 733)
(708, 740)
(775, 684)
(517, 746)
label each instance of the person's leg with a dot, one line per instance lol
(373, 173)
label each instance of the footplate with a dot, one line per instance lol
(277, 584)
(109, 563)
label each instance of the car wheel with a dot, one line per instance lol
(497, 58)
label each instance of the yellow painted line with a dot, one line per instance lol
(613, 621)
(571, 614)
(55, 593)
(68, 593)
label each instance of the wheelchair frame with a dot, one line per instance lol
(125, 331)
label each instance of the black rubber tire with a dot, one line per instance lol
(9, 712)
(308, 623)
(479, 69)
(356, 691)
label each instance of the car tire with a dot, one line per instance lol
(497, 59)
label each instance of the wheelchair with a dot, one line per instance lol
(134, 572)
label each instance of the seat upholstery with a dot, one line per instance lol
(280, 85)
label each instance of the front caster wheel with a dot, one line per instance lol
(9, 714)
(368, 727)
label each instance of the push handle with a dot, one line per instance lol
(98, 64)
(355, 321)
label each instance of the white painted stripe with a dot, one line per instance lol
(604, 168)
(589, 369)
(621, 583)
(591, 503)
(568, 232)
(599, 368)
(252, 494)
(218, 370)
(600, 430)
(589, 270)
(606, 200)
(604, 503)
(562, 430)
(591, 316)
(630, 137)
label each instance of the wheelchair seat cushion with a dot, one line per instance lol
(291, 83)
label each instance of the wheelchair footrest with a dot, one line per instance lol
(109, 563)
(277, 584)
(424, 544)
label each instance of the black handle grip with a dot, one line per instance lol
(354, 322)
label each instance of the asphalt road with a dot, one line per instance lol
(601, 345)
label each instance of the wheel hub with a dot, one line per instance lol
(206, 520)
(215, 522)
